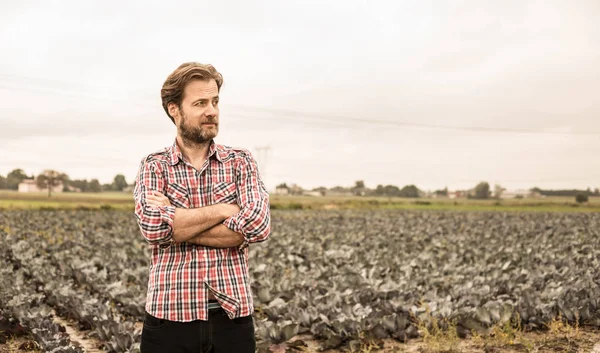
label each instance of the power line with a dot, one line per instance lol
(298, 116)
(553, 180)
(345, 119)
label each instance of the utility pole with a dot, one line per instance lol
(262, 154)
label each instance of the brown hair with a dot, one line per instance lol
(172, 89)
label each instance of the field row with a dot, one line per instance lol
(338, 276)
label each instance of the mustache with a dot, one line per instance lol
(211, 121)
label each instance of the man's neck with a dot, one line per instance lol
(194, 153)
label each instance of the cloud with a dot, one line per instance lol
(84, 74)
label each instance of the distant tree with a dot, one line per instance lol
(339, 189)
(379, 190)
(498, 190)
(80, 184)
(566, 192)
(581, 198)
(3, 183)
(14, 178)
(442, 192)
(322, 190)
(409, 191)
(107, 187)
(359, 187)
(119, 182)
(49, 179)
(482, 191)
(387, 190)
(536, 190)
(94, 186)
(596, 191)
(66, 184)
(282, 186)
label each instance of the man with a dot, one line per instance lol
(198, 205)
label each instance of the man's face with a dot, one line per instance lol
(197, 119)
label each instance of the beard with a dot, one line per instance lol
(197, 135)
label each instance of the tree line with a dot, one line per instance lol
(481, 191)
(50, 179)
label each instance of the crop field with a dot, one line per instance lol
(11, 200)
(345, 278)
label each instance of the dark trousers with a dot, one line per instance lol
(217, 335)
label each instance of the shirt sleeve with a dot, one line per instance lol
(156, 223)
(254, 219)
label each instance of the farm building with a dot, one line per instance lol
(282, 190)
(459, 194)
(29, 185)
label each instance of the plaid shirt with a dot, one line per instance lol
(182, 275)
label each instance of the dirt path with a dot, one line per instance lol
(78, 337)
(585, 340)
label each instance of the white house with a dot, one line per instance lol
(282, 190)
(29, 185)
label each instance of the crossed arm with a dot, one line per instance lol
(201, 226)
(219, 225)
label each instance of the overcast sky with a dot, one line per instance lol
(440, 93)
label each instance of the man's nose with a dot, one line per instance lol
(211, 110)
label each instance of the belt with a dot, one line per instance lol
(213, 304)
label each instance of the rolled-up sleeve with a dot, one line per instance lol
(254, 219)
(156, 223)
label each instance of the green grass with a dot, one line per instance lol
(104, 200)
(67, 196)
(554, 204)
(124, 201)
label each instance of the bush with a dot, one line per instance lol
(419, 202)
(581, 198)
(294, 206)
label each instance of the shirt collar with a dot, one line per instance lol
(176, 155)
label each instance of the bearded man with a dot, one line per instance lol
(199, 205)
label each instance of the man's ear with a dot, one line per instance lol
(173, 111)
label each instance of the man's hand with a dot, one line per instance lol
(157, 199)
(189, 230)
(218, 236)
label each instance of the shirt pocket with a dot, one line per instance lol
(178, 195)
(225, 192)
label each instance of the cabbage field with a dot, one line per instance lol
(338, 276)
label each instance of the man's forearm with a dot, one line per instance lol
(218, 236)
(188, 223)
